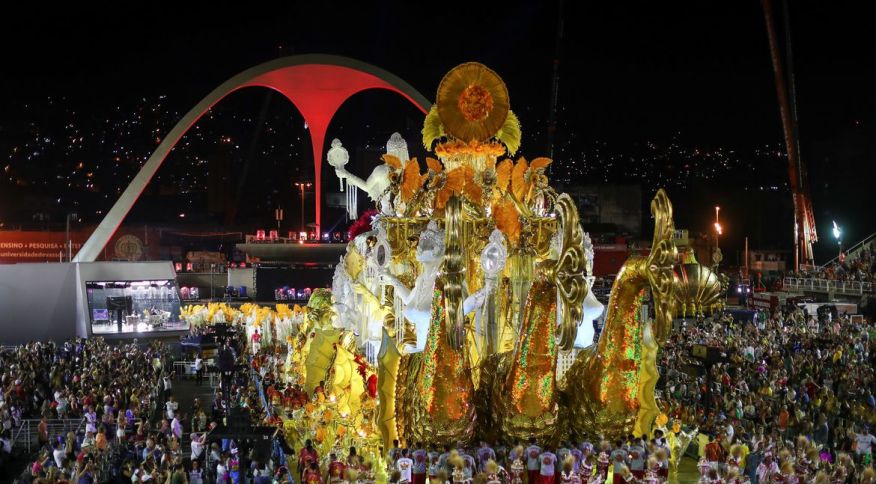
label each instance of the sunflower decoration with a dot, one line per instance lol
(472, 111)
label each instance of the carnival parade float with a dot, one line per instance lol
(449, 313)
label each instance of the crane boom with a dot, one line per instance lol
(804, 218)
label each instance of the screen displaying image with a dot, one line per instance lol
(134, 306)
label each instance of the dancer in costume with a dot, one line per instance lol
(421, 461)
(569, 476)
(767, 468)
(547, 467)
(532, 464)
(434, 466)
(491, 469)
(307, 456)
(602, 462)
(311, 474)
(735, 462)
(485, 454)
(652, 475)
(588, 462)
(458, 464)
(335, 471)
(517, 466)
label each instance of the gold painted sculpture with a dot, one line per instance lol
(525, 378)
(470, 345)
(700, 290)
(610, 387)
(437, 401)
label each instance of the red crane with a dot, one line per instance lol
(804, 218)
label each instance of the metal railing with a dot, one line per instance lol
(184, 368)
(853, 288)
(27, 434)
(187, 369)
(256, 239)
(103, 469)
(853, 250)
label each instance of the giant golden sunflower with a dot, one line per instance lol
(472, 102)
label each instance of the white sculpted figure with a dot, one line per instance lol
(338, 158)
(418, 301)
(376, 184)
(364, 305)
(342, 294)
(398, 147)
(592, 307)
(493, 259)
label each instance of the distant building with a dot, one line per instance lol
(768, 260)
(613, 210)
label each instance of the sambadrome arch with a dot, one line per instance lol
(316, 84)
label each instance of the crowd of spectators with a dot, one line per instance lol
(860, 267)
(788, 398)
(44, 379)
(631, 459)
(777, 378)
(88, 396)
(237, 399)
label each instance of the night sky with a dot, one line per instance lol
(630, 74)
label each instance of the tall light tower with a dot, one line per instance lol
(837, 234)
(717, 257)
(301, 187)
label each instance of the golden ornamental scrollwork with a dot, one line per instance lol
(661, 261)
(661, 278)
(568, 273)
